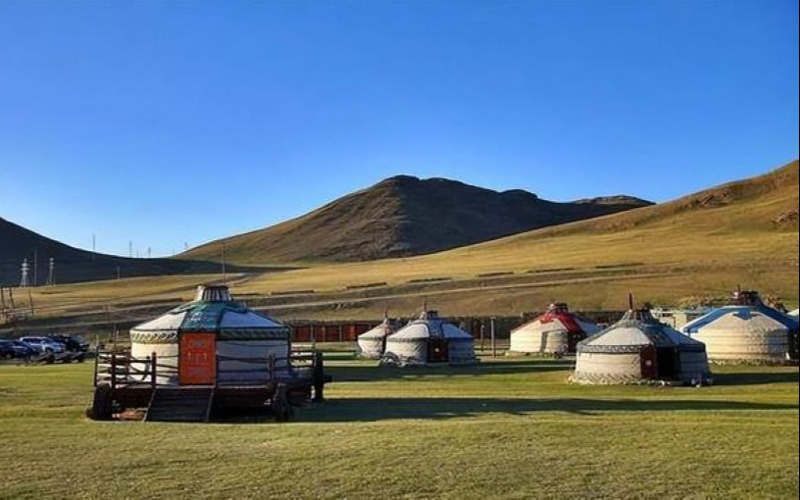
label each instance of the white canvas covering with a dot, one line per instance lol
(168, 322)
(550, 332)
(743, 334)
(795, 313)
(371, 343)
(410, 344)
(628, 352)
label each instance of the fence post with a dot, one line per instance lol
(113, 371)
(154, 361)
(494, 343)
(318, 377)
(96, 361)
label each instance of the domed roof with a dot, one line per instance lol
(746, 314)
(429, 325)
(213, 310)
(558, 317)
(378, 332)
(637, 328)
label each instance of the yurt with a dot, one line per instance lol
(638, 349)
(795, 313)
(557, 331)
(429, 339)
(372, 342)
(215, 334)
(747, 331)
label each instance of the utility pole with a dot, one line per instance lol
(51, 273)
(23, 282)
(130, 248)
(35, 266)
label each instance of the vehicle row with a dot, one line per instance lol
(29, 346)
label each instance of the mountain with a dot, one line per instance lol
(405, 216)
(73, 264)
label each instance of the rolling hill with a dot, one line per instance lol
(405, 216)
(700, 246)
(73, 264)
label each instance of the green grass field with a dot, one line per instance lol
(508, 428)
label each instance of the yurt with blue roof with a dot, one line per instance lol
(747, 331)
(228, 331)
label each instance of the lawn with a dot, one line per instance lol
(507, 428)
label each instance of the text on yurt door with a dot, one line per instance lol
(198, 362)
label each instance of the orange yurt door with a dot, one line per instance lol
(197, 364)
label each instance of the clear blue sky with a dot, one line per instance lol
(164, 122)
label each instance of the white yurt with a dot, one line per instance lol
(237, 333)
(638, 349)
(795, 313)
(372, 342)
(429, 339)
(556, 331)
(747, 331)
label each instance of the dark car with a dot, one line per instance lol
(14, 349)
(73, 343)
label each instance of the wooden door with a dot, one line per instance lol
(197, 364)
(649, 365)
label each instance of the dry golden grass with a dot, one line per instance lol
(704, 244)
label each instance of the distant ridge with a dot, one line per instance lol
(762, 203)
(73, 264)
(405, 216)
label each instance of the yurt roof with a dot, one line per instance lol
(212, 310)
(636, 329)
(428, 325)
(794, 313)
(558, 316)
(757, 318)
(378, 332)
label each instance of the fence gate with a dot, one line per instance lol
(197, 364)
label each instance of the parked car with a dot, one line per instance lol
(14, 349)
(44, 345)
(73, 343)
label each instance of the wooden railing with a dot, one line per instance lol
(118, 369)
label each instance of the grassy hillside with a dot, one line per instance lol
(73, 264)
(404, 216)
(696, 248)
(503, 429)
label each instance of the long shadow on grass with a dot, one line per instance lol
(376, 409)
(756, 378)
(371, 373)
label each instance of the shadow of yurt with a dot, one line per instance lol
(429, 340)
(638, 349)
(747, 331)
(554, 333)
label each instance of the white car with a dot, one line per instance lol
(44, 345)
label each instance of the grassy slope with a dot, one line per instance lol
(404, 216)
(701, 245)
(509, 429)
